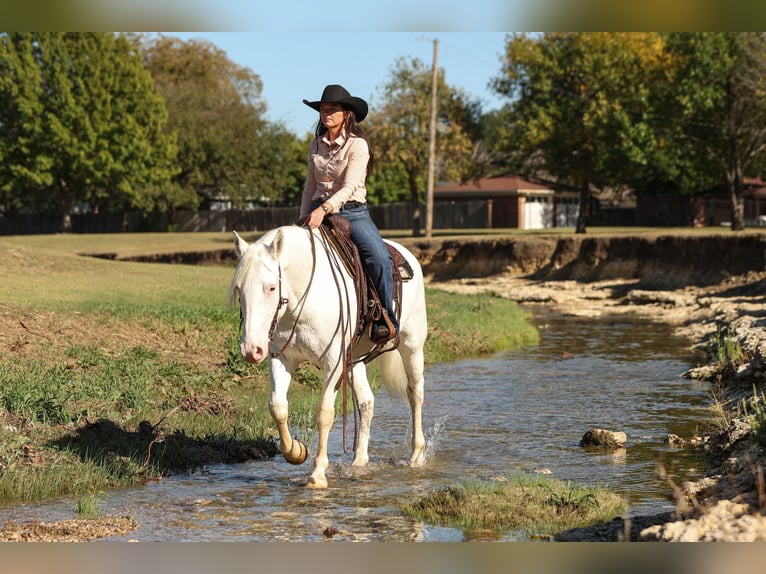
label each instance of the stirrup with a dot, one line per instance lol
(381, 334)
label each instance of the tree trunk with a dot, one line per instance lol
(584, 210)
(66, 202)
(736, 195)
(416, 211)
(737, 205)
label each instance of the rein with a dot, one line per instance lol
(347, 374)
(345, 311)
(283, 301)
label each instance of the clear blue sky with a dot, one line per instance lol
(298, 65)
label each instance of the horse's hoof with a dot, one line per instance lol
(316, 483)
(418, 459)
(297, 454)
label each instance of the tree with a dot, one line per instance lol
(226, 147)
(718, 93)
(578, 106)
(81, 123)
(399, 131)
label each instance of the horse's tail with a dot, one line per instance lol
(392, 373)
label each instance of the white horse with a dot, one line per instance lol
(293, 310)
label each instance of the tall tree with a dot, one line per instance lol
(578, 105)
(81, 122)
(718, 94)
(226, 147)
(399, 130)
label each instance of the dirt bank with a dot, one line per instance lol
(700, 285)
(692, 259)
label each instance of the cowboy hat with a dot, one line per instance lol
(335, 94)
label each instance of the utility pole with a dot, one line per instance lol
(432, 145)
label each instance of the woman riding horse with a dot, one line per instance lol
(340, 159)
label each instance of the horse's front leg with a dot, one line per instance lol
(325, 417)
(292, 449)
(366, 401)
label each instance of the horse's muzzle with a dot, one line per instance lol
(253, 354)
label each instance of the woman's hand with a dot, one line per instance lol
(317, 215)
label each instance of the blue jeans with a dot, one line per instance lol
(374, 254)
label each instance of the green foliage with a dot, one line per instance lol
(717, 92)
(580, 105)
(81, 124)
(664, 114)
(226, 148)
(567, 497)
(400, 131)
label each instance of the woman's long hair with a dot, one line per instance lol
(354, 130)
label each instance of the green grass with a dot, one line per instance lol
(474, 325)
(88, 505)
(536, 505)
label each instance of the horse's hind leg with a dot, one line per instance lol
(413, 365)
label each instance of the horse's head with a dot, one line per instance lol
(256, 281)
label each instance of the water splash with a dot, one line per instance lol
(433, 436)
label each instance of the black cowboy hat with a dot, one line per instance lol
(335, 94)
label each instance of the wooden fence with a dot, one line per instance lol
(446, 215)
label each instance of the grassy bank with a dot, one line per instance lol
(535, 505)
(113, 373)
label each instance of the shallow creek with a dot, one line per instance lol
(523, 410)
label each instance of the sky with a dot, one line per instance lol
(296, 66)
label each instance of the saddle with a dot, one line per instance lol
(337, 229)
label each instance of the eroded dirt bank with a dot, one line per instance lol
(703, 286)
(659, 261)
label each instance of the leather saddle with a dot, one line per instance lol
(337, 229)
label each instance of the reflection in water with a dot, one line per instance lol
(520, 410)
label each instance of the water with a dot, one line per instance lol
(520, 410)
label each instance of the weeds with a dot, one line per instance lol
(569, 498)
(755, 414)
(538, 506)
(720, 409)
(88, 505)
(726, 351)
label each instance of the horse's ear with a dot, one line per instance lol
(276, 246)
(240, 245)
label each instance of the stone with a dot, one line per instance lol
(603, 438)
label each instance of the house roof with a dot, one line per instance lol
(494, 186)
(752, 188)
